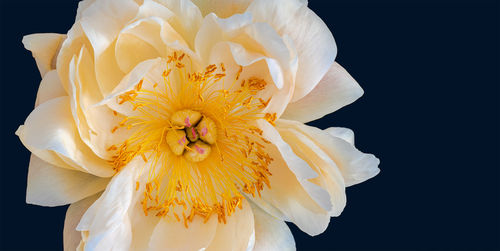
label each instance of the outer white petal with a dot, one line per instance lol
(354, 165)
(298, 166)
(82, 6)
(142, 225)
(171, 235)
(50, 87)
(222, 8)
(293, 197)
(330, 178)
(72, 238)
(50, 130)
(311, 37)
(44, 47)
(271, 233)
(107, 220)
(236, 234)
(340, 132)
(336, 90)
(54, 186)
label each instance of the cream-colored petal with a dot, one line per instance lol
(143, 70)
(107, 220)
(94, 123)
(152, 8)
(236, 233)
(330, 178)
(82, 6)
(101, 22)
(248, 43)
(70, 48)
(336, 90)
(214, 30)
(172, 235)
(71, 237)
(54, 186)
(50, 129)
(293, 197)
(340, 132)
(187, 19)
(354, 165)
(142, 225)
(44, 47)
(254, 65)
(298, 166)
(50, 87)
(222, 8)
(311, 37)
(148, 38)
(271, 233)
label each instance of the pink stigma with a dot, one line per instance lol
(204, 131)
(199, 149)
(186, 121)
(182, 140)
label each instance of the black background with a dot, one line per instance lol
(430, 71)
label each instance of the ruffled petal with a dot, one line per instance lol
(239, 42)
(187, 18)
(101, 23)
(311, 37)
(50, 133)
(107, 221)
(222, 8)
(344, 133)
(71, 237)
(50, 87)
(336, 90)
(271, 233)
(149, 38)
(54, 186)
(236, 233)
(293, 197)
(94, 123)
(330, 178)
(44, 47)
(103, 20)
(354, 165)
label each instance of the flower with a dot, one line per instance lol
(179, 125)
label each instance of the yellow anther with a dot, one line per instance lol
(176, 140)
(207, 130)
(185, 118)
(199, 152)
(192, 134)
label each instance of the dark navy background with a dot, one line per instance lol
(430, 71)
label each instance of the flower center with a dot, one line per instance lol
(197, 137)
(193, 138)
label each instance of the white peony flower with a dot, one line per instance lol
(178, 125)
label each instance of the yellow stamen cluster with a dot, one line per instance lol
(198, 166)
